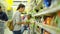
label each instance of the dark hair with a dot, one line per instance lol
(21, 6)
(0, 6)
(29, 15)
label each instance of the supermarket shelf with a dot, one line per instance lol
(51, 29)
(48, 11)
(38, 4)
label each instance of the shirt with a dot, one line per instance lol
(17, 19)
(3, 16)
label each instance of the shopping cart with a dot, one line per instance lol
(2, 27)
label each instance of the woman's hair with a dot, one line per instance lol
(21, 6)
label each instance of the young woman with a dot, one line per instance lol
(17, 21)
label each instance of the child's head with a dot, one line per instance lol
(29, 16)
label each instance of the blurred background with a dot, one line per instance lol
(39, 9)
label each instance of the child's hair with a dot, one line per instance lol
(21, 6)
(29, 15)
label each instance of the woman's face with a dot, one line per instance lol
(21, 9)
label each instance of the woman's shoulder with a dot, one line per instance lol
(17, 12)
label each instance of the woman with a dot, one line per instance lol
(17, 21)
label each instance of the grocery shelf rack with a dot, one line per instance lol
(47, 11)
(51, 29)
